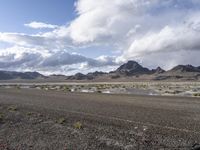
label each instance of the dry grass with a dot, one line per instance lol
(1, 117)
(12, 108)
(78, 125)
(61, 120)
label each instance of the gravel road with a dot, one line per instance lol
(36, 119)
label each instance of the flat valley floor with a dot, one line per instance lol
(37, 119)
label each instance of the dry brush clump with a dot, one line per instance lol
(29, 113)
(196, 94)
(61, 120)
(1, 117)
(78, 125)
(17, 87)
(12, 108)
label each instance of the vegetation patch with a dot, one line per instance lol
(78, 125)
(17, 87)
(61, 120)
(196, 94)
(29, 113)
(12, 108)
(1, 117)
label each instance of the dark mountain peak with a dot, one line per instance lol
(130, 65)
(79, 74)
(185, 68)
(158, 70)
(132, 68)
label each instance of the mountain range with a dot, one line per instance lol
(10, 75)
(130, 71)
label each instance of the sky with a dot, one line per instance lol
(70, 36)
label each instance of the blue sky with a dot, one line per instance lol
(68, 36)
(14, 13)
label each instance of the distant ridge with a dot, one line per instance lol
(130, 71)
(89, 76)
(185, 68)
(133, 71)
(11, 75)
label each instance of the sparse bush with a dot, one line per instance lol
(196, 94)
(17, 87)
(78, 125)
(66, 88)
(61, 120)
(44, 87)
(1, 117)
(29, 113)
(12, 108)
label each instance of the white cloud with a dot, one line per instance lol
(40, 25)
(104, 20)
(20, 59)
(184, 37)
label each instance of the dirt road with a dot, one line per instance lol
(105, 121)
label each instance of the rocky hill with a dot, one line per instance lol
(11, 75)
(184, 69)
(158, 70)
(132, 68)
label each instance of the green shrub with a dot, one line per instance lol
(78, 125)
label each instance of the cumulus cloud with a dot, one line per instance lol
(40, 25)
(104, 20)
(20, 58)
(167, 39)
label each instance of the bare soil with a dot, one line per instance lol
(35, 119)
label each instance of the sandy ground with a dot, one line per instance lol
(36, 119)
